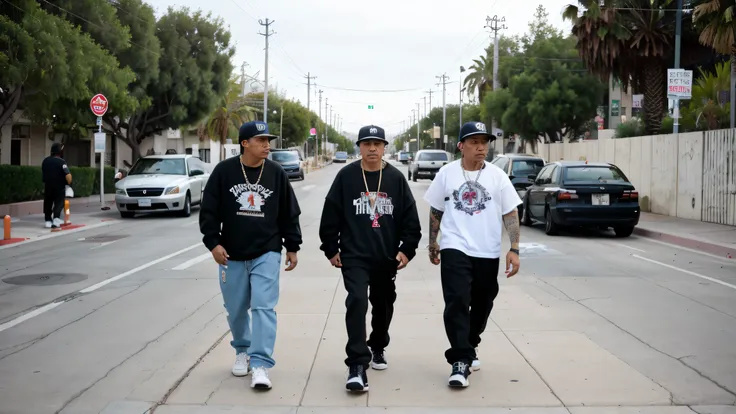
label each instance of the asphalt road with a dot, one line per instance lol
(125, 312)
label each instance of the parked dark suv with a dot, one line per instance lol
(519, 167)
(290, 161)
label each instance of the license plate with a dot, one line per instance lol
(600, 200)
(144, 202)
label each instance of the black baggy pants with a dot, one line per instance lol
(382, 296)
(469, 287)
(53, 202)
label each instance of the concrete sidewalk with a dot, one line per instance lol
(716, 239)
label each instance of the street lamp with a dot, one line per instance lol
(281, 126)
(462, 69)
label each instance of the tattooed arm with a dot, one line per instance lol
(511, 223)
(435, 217)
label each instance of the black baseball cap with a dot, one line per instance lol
(254, 129)
(474, 128)
(371, 132)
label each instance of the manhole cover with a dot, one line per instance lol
(103, 238)
(46, 279)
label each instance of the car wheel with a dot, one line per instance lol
(301, 177)
(127, 214)
(623, 231)
(550, 227)
(409, 175)
(525, 219)
(414, 177)
(187, 210)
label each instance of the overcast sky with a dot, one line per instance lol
(378, 45)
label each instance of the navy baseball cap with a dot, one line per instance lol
(254, 129)
(371, 132)
(474, 128)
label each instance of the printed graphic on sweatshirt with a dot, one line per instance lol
(251, 198)
(383, 206)
(471, 198)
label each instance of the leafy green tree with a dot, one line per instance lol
(48, 66)
(479, 79)
(194, 72)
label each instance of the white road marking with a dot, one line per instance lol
(101, 245)
(46, 308)
(628, 247)
(29, 315)
(714, 280)
(191, 262)
(720, 258)
(61, 233)
(138, 269)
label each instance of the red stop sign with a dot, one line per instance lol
(98, 104)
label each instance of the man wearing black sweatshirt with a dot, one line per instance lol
(249, 211)
(370, 229)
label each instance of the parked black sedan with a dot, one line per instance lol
(519, 167)
(578, 193)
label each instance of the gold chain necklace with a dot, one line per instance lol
(367, 191)
(263, 164)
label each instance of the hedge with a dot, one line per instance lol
(23, 183)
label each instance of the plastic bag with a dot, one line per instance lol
(69, 192)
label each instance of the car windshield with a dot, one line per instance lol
(285, 156)
(341, 154)
(432, 156)
(524, 168)
(594, 173)
(172, 166)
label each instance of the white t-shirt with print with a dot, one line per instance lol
(473, 212)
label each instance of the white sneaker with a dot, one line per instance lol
(48, 224)
(475, 366)
(241, 367)
(58, 222)
(260, 379)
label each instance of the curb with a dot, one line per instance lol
(705, 247)
(70, 230)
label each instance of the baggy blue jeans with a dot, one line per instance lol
(252, 285)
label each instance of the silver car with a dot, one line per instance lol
(162, 183)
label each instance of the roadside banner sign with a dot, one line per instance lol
(679, 84)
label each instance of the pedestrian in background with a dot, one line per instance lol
(56, 176)
(470, 200)
(249, 212)
(369, 229)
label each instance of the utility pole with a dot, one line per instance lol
(418, 136)
(430, 92)
(425, 106)
(678, 46)
(309, 88)
(462, 69)
(268, 33)
(443, 79)
(492, 23)
(316, 147)
(324, 141)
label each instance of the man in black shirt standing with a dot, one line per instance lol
(56, 177)
(249, 211)
(370, 229)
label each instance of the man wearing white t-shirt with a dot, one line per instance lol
(470, 201)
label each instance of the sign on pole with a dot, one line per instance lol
(98, 104)
(370, 106)
(313, 132)
(100, 138)
(679, 84)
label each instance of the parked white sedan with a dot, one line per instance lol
(162, 183)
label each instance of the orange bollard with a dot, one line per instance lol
(6, 228)
(67, 213)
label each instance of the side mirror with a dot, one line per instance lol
(532, 177)
(511, 177)
(195, 173)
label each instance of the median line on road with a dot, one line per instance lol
(712, 279)
(57, 302)
(191, 262)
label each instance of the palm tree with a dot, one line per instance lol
(227, 117)
(480, 76)
(631, 40)
(717, 18)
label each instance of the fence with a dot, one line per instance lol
(690, 175)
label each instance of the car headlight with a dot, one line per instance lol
(120, 191)
(172, 190)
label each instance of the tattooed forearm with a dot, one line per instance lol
(511, 222)
(435, 217)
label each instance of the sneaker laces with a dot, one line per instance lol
(260, 371)
(355, 371)
(459, 367)
(241, 358)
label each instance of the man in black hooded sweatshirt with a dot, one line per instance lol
(370, 229)
(56, 176)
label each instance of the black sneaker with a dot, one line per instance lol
(459, 376)
(357, 379)
(379, 360)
